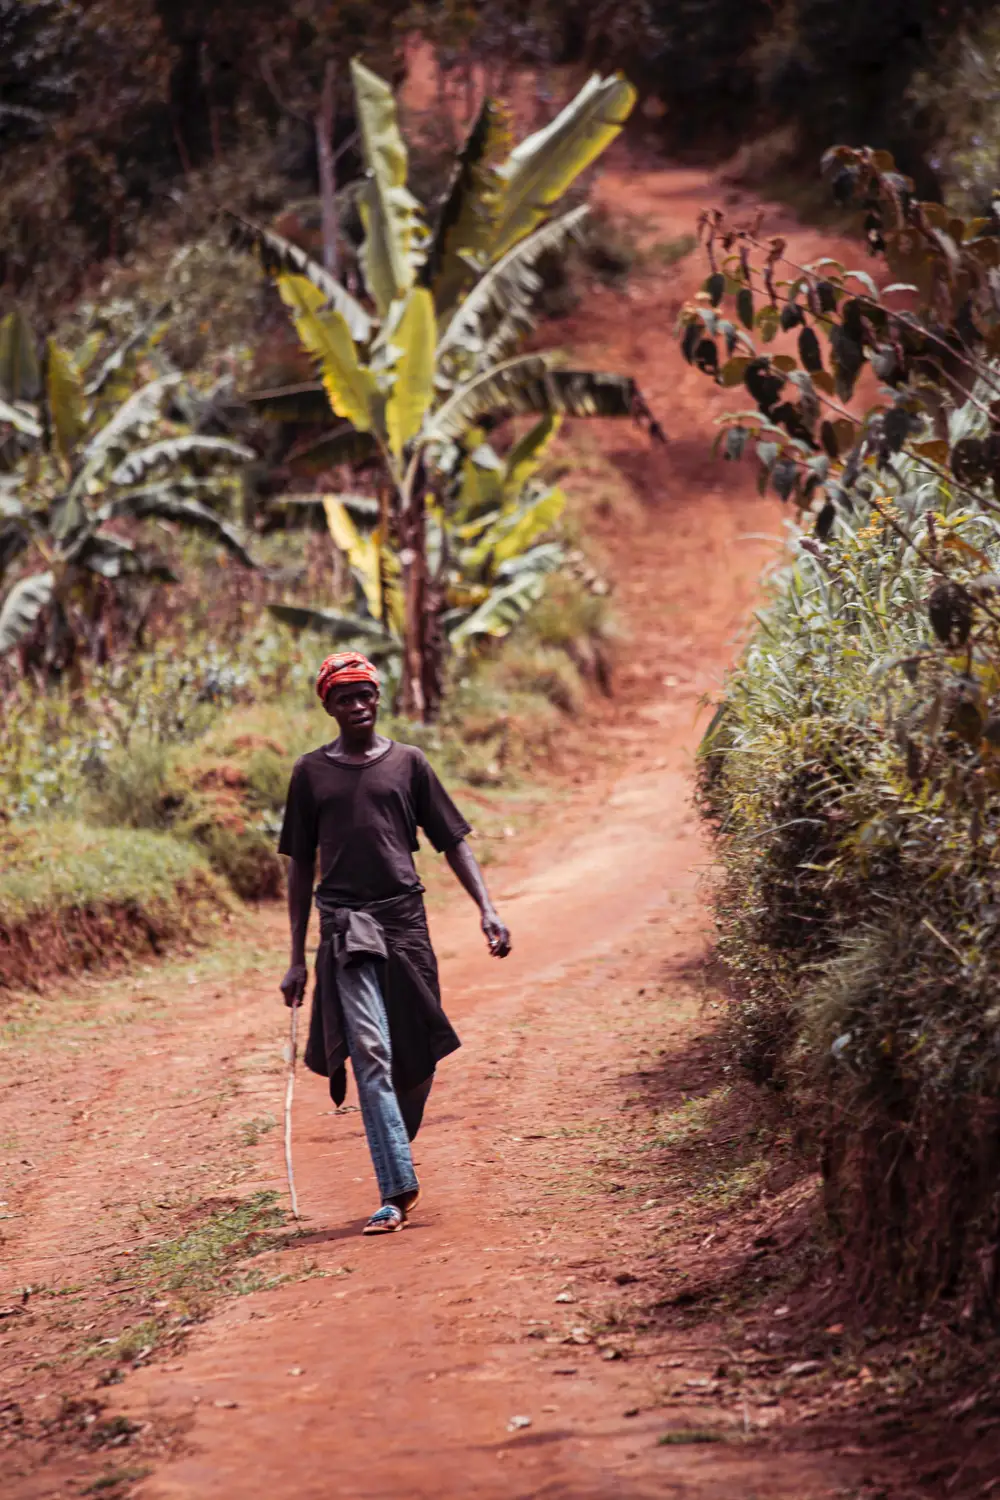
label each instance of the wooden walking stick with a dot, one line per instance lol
(293, 1044)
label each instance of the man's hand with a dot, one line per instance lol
(293, 986)
(463, 862)
(496, 934)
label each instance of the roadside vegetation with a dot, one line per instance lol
(191, 515)
(851, 770)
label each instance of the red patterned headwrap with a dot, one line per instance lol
(344, 667)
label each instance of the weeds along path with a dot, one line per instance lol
(509, 1343)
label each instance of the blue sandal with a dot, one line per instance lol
(387, 1220)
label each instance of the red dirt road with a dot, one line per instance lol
(408, 1377)
(506, 1344)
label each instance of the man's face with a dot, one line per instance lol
(354, 705)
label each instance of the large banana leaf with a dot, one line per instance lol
(394, 234)
(67, 401)
(393, 600)
(529, 384)
(146, 333)
(22, 606)
(306, 401)
(500, 610)
(466, 221)
(373, 564)
(541, 168)
(513, 533)
(158, 504)
(481, 486)
(142, 407)
(350, 385)
(11, 503)
(362, 552)
(310, 510)
(20, 368)
(344, 445)
(506, 294)
(413, 339)
(545, 558)
(525, 456)
(169, 450)
(13, 541)
(281, 257)
(21, 420)
(376, 642)
(110, 557)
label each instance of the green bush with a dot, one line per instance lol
(961, 95)
(853, 775)
(72, 896)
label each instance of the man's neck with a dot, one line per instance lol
(359, 750)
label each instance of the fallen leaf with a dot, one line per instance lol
(804, 1367)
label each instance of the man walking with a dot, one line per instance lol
(359, 803)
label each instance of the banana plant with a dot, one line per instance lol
(430, 354)
(86, 461)
(487, 561)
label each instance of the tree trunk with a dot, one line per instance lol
(327, 165)
(431, 676)
(413, 558)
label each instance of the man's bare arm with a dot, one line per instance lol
(301, 878)
(466, 867)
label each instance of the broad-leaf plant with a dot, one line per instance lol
(876, 404)
(426, 361)
(85, 447)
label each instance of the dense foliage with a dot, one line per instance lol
(108, 107)
(852, 768)
(125, 111)
(424, 362)
(87, 447)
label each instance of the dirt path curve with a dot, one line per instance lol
(411, 1375)
(527, 1285)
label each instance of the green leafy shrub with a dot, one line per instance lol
(961, 95)
(72, 896)
(854, 779)
(65, 744)
(197, 739)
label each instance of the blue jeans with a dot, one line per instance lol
(366, 1028)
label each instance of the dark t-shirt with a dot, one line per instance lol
(363, 819)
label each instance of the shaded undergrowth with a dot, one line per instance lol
(73, 896)
(744, 1272)
(137, 807)
(852, 777)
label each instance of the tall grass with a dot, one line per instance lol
(72, 896)
(196, 740)
(853, 776)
